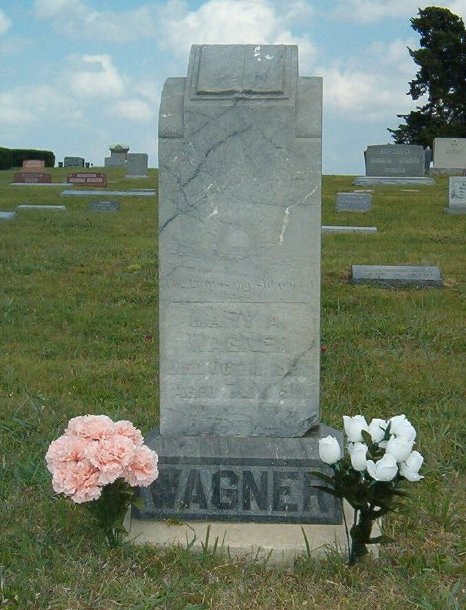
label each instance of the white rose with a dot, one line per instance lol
(383, 470)
(358, 456)
(329, 450)
(409, 469)
(377, 429)
(399, 447)
(354, 426)
(400, 426)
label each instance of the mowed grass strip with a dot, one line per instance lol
(78, 320)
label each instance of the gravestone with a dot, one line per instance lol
(449, 154)
(7, 215)
(396, 276)
(60, 164)
(239, 292)
(394, 164)
(33, 165)
(118, 155)
(353, 202)
(136, 165)
(456, 195)
(130, 193)
(88, 179)
(104, 206)
(30, 177)
(73, 162)
(347, 229)
(41, 206)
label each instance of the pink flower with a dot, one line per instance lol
(143, 468)
(78, 480)
(110, 456)
(65, 449)
(126, 428)
(93, 427)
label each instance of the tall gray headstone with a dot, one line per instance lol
(136, 165)
(394, 160)
(240, 172)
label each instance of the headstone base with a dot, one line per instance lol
(455, 209)
(275, 543)
(392, 180)
(239, 479)
(449, 171)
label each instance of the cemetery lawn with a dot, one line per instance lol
(78, 319)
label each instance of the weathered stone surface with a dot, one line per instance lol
(342, 229)
(104, 206)
(456, 195)
(130, 193)
(419, 276)
(450, 153)
(396, 181)
(136, 165)
(239, 263)
(353, 202)
(394, 160)
(239, 479)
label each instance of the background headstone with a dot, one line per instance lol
(73, 162)
(88, 178)
(456, 195)
(392, 160)
(118, 154)
(450, 153)
(136, 165)
(428, 156)
(30, 177)
(353, 202)
(33, 165)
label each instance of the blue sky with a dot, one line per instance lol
(79, 75)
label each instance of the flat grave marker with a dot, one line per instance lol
(104, 206)
(395, 276)
(348, 229)
(7, 215)
(353, 202)
(130, 193)
(41, 206)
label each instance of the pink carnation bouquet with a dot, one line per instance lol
(99, 462)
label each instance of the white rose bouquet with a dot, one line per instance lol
(380, 457)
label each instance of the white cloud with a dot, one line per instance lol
(34, 103)
(233, 22)
(77, 19)
(5, 23)
(369, 11)
(134, 109)
(100, 78)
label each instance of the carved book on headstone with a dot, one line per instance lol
(239, 245)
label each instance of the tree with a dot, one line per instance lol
(441, 76)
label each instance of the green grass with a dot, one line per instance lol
(78, 318)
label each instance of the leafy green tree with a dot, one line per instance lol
(441, 77)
